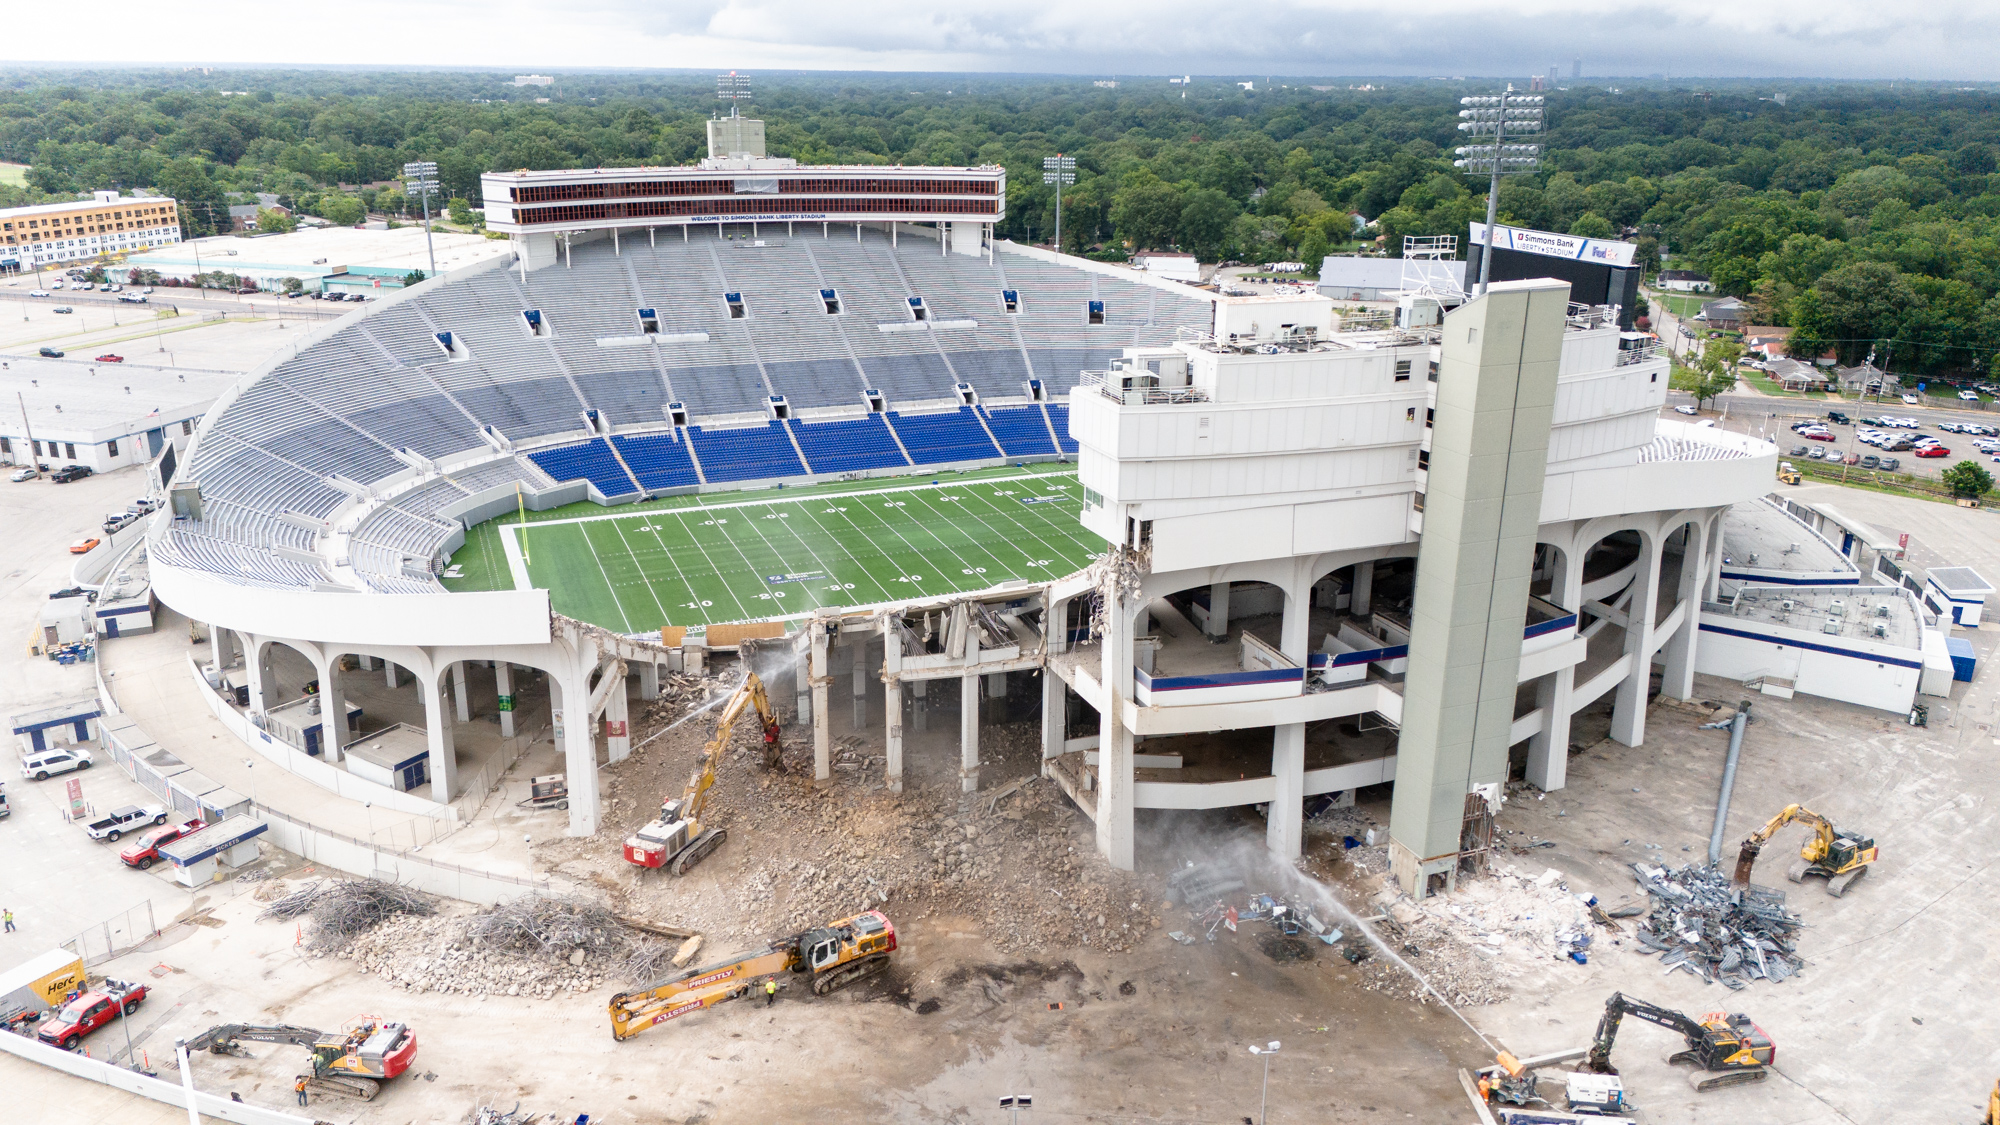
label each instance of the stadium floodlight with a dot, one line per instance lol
(1059, 170)
(732, 88)
(422, 177)
(1493, 118)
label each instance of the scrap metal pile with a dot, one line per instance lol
(1201, 890)
(340, 909)
(1705, 924)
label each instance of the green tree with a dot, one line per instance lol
(1205, 217)
(1968, 479)
(1592, 225)
(203, 207)
(1862, 303)
(341, 210)
(1147, 213)
(293, 285)
(273, 221)
(413, 277)
(460, 211)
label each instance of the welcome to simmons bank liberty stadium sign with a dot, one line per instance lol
(1601, 251)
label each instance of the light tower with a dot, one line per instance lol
(421, 176)
(1059, 170)
(1498, 116)
(732, 88)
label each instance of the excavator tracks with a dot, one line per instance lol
(345, 1086)
(1706, 1080)
(842, 977)
(694, 853)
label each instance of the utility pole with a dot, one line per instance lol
(1496, 116)
(1059, 170)
(422, 174)
(34, 455)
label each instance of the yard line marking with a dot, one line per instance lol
(871, 576)
(641, 568)
(767, 501)
(615, 600)
(681, 575)
(713, 569)
(1018, 526)
(995, 559)
(903, 570)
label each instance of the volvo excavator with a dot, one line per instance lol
(680, 838)
(1729, 1049)
(831, 957)
(352, 1063)
(1842, 857)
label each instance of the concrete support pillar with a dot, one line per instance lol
(258, 675)
(1284, 823)
(367, 663)
(1292, 639)
(461, 692)
(860, 662)
(1055, 715)
(1359, 595)
(1218, 609)
(579, 744)
(215, 643)
(617, 718)
(1677, 679)
(892, 711)
(391, 675)
(503, 683)
(1712, 586)
(1114, 741)
(1548, 750)
(443, 747)
(968, 733)
(1628, 710)
(920, 710)
(822, 737)
(332, 711)
(649, 680)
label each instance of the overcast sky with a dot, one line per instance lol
(1927, 40)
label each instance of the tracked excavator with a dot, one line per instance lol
(1841, 857)
(350, 1064)
(830, 957)
(1729, 1049)
(681, 838)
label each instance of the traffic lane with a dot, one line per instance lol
(186, 301)
(1776, 429)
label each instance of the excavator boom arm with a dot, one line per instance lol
(1621, 1005)
(749, 694)
(274, 1033)
(1753, 844)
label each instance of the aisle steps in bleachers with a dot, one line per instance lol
(659, 460)
(590, 460)
(850, 445)
(936, 439)
(751, 453)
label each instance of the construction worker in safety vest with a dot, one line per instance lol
(770, 991)
(301, 1088)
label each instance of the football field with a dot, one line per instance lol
(751, 556)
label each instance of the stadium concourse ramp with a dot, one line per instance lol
(709, 360)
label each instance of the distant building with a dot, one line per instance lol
(1725, 315)
(1684, 281)
(1105, 84)
(83, 230)
(533, 80)
(1862, 379)
(1347, 278)
(1178, 267)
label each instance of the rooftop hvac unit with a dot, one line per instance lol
(1832, 626)
(1786, 605)
(1881, 629)
(1837, 608)
(1753, 559)
(1882, 610)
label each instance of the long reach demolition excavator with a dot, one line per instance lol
(680, 838)
(1841, 857)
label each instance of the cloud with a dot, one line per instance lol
(1807, 38)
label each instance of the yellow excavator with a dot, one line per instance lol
(1993, 1106)
(832, 956)
(679, 839)
(1841, 856)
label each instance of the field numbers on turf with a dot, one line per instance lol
(830, 511)
(950, 499)
(779, 516)
(895, 504)
(696, 605)
(973, 570)
(712, 523)
(1038, 562)
(841, 586)
(1003, 492)
(910, 578)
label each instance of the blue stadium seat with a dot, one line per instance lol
(758, 453)
(935, 439)
(1059, 417)
(592, 461)
(1021, 430)
(849, 445)
(659, 460)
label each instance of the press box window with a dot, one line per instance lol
(1402, 371)
(918, 310)
(649, 322)
(735, 303)
(538, 325)
(831, 298)
(1096, 313)
(1010, 300)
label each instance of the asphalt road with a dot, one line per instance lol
(186, 300)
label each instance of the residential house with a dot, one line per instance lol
(1725, 315)
(1683, 281)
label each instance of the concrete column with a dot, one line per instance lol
(258, 675)
(649, 680)
(1294, 624)
(579, 745)
(1628, 709)
(1055, 714)
(968, 733)
(503, 683)
(1548, 750)
(617, 717)
(892, 711)
(215, 643)
(1712, 582)
(1114, 741)
(390, 674)
(1361, 593)
(332, 711)
(443, 747)
(822, 737)
(1284, 824)
(920, 710)
(461, 691)
(860, 661)
(1677, 680)
(1218, 609)
(367, 663)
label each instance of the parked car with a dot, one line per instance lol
(1798, 451)
(40, 293)
(1816, 454)
(110, 357)
(118, 522)
(1817, 435)
(41, 764)
(69, 473)
(132, 298)
(1871, 462)
(51, 353)
(1836, 417)
(119, 821)
(1890, 464)
(64, 309)
(1911, 400)
(1851, 459)
(26, 473)
(1866, 421)
(246, 289)
(1969, 396)
(90, 1011)
(84, 546)
(147, 851)
(1932, 451)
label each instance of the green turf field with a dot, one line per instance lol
(749, 556)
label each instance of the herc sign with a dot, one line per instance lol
(1604, 252)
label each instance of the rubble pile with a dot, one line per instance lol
(342, 909)
(1702, 922)
(680, 691)
(438, 954)
(547, 923)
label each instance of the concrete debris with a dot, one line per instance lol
(1703, 923)
(341, 909)
(439, 955)
(549, 924)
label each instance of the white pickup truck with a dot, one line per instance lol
(127, 819)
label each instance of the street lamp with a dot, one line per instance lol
(1263, 1107)
(251, 765)
(1014, 1104)
(1059, 170)
(1497, 117)
(422, 175)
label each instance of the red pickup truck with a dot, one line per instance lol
(147, 851)
(90, 1011)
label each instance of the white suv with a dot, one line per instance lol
(37, 765)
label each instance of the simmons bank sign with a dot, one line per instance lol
(1601, 251)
